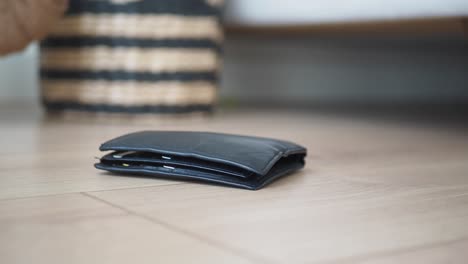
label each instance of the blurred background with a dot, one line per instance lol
(322, 54)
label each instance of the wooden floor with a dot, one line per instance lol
(373, 191)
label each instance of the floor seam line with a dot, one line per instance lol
(216, 244)
(78, 192)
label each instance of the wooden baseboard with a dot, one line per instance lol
(465, 26)
(426, 26)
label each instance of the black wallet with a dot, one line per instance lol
(240, 161)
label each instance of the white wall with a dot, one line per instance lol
(18, 75)
(267, 12)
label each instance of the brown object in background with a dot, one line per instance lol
(23, 21)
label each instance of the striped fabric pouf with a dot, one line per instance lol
(133, 56)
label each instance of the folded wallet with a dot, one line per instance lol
(234, 160)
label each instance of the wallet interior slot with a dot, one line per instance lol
(157, 166)
(283, 166)
(177, 161)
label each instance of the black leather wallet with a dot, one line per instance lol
(240, 161)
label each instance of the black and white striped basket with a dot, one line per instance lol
(133, 56)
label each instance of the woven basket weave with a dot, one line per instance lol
(133, 56)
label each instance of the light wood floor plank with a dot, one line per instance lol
(450, 252)
(74, 228)
(308, 217)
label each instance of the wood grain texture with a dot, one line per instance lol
(373, 191)
(74, 228)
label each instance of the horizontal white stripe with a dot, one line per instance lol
(215, 3)
(127, 117)
(130, 59)
(140, 26)
(130, 93)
